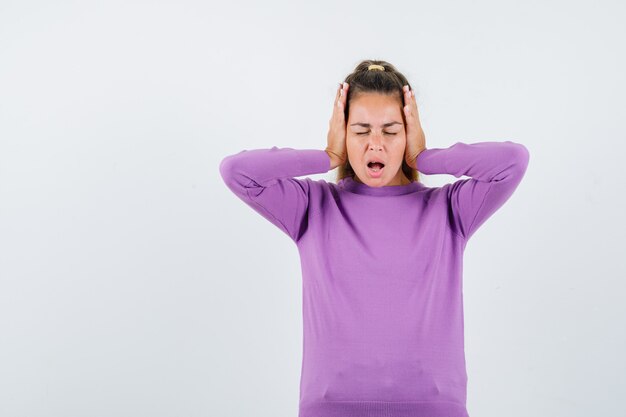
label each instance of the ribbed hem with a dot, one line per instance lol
(383, 409)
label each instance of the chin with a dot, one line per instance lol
(374, 182)
(377, 179)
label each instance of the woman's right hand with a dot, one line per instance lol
(336, 148)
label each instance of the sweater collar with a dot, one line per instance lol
(349, 184)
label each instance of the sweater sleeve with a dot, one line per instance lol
(263, 179)
(495, 168)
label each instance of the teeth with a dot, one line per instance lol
(375, 166)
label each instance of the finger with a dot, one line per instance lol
(338, 117)
(414, 101)
(344, 93)
(408, 92)
(411, 100)
(337, 103)
(343, 96)
(408, 101)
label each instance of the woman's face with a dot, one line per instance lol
(375, 131)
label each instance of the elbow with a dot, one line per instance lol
(227, 171)
(519, 156)
(226, 168)
(512, 162)
(232, 174)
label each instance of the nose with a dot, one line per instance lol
(375, 142)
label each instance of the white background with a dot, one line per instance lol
(134, 283)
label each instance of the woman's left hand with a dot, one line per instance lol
(415, 138)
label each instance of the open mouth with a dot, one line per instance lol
(375, 169)
(376, 166)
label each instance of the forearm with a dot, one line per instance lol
(495, 170)
(483, 161)
(260, 167)
(265, 180)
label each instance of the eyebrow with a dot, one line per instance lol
(369, 125)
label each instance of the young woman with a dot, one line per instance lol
(381, 253)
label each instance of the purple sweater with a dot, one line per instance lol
(382, 272)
